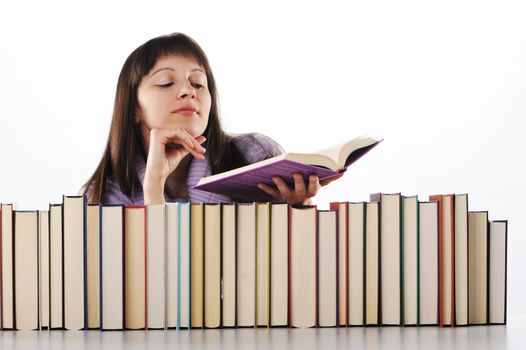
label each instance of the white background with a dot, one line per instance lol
(444, 83)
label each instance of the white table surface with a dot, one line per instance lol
(511, 336)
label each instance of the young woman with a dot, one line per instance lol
(166, 134)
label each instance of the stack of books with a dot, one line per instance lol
(393, 260)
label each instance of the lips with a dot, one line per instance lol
(186, 110)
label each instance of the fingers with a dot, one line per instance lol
(180, 138)
(274, 193)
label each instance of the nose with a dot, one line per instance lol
(186, 91)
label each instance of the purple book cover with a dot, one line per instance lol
(244, 185)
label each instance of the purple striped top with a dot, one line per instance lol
(254, 146)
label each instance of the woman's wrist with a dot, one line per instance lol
(153, 191)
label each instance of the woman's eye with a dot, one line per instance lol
(198, 86)
(165, 85)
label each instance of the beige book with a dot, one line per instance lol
(155, 266)
(111, 268)
(371, 263)
(184, 266)
(55, 266)
(327, 236)
(43, 275)
(262, 264)
(410, 263)
(461, 259)
(355, 268)
(498, 232)
(196, 265)
(7, 266)
(212, 265)
(246, 265)
(135, 267)
(303, 263)
(92, 264)
(428, 261)
(279, 264)
(477, 265)
(172, 258)
(390, 257)
(26, 269)
(74, 284)
(228, 246)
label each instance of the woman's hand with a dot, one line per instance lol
(166, 150)
(301, 194)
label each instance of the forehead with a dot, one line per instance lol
(177, 62)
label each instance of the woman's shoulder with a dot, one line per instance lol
(256, 146)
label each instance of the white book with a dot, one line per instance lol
(184, 266)
(461, 259)
(112, 246)
(410, 263)
(212, 265)
(428, 260)
(228, 246)
(262, 263)
(55, 266)
(279, 264)
(498, 237)
(356, 256)
(246, 265)
(372, 275)
(172, 263)
(327, 255)
(478, 267)
(155, 266)
(74, 220)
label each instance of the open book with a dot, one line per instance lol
(241, 183)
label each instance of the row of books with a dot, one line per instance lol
(394, 260)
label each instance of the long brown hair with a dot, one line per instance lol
(125, 141)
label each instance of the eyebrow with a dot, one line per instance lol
(170, 68)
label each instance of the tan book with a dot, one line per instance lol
(461, 259)
(478, 267)
(390, 246)
(410, 260)
(26, 269)
(327, 236)
(112, 286)
(212, 265)
(43, 274)
(74, 285)
(343, 261)
(7, 266)
(55, 267)
(135, 267)
(356, 263)
(172, 266)
(246, 264)
(93, 264)
(303, 267)
(184, 265)
(228, 281)
(372, 259)
(196, 265)
(155, 266)
(279, 264)
(428, 263)
(262, 264)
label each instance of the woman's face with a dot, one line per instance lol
(174, 95)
